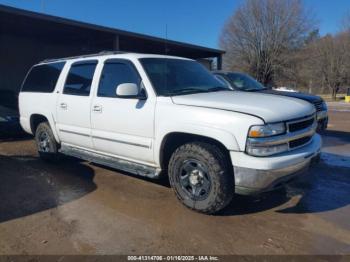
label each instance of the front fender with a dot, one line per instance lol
(222, 136)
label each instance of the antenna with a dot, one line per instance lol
(166, 39)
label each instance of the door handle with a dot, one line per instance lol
(97, 109)
(63, 106)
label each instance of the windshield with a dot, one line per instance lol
(244, 82)
(172, 77)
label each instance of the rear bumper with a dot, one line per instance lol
(259, 174)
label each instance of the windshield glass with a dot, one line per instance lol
(244, 82)
(172, 77)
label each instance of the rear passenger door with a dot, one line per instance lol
(122, 127)
(74, 105)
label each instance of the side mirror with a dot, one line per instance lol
(128, 90)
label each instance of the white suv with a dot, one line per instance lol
(154, 114)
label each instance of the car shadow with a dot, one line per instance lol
(324, 187)
(29, 185)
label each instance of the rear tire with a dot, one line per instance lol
(46, 142)
(201, 177)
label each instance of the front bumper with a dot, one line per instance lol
(259, 174)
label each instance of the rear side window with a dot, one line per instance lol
(79, 78)
(115, 73)
(43, 78)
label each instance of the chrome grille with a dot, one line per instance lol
(298, 134)
(302, 131)
(300, 125)
(299, 142)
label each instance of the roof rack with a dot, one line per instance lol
(105, 52)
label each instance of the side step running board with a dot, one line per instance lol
(113, 162)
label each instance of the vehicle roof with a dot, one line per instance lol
(111, 55)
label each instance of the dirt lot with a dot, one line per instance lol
(79, 208)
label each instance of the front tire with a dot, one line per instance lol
(201, 177)
(46, 142)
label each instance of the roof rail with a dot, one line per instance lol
(105, 52)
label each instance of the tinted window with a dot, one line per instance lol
(79, 79)
(223, 80)
(171, 77)
(114, 74)
(43, 78)
(244, 82)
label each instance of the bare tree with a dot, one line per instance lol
(330, 59)
(261, 34)
(308, 76)
(345, 22)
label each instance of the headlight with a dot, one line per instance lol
(258, 134)
(267, 130)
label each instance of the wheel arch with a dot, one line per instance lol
(36, 119)
(173, 140)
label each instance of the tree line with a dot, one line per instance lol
(278, 43)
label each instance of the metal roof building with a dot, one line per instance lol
(28, 37)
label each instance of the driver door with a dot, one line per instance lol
(122, 127)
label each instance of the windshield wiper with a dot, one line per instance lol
(195, 90)
(186, 91)
(254, 89)
(218, 88)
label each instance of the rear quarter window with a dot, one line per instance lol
(43, 78)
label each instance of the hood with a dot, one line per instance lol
(307, 97)
(271, 108)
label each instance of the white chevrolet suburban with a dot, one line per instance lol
(154, 114)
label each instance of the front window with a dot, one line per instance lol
(116, 72)
(172, 77)
(244, 82)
